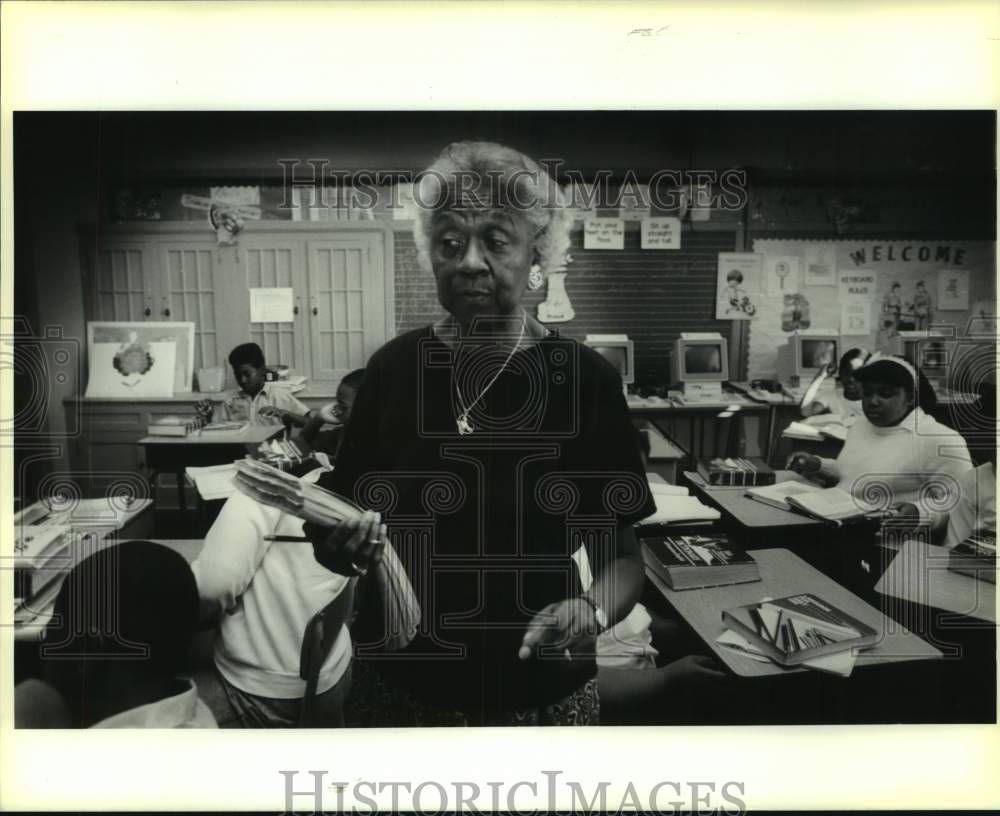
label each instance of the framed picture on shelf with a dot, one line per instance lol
(139, 359)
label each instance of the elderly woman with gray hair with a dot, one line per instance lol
(492, 450)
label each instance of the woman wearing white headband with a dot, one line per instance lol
(896, 452)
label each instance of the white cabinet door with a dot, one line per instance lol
(189, 290)
(275, 263)
(121, 285)
(347, 303)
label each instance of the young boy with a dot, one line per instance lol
(257, 402)
(328, 441)
(123, 623)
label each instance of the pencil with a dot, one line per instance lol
(285, 538)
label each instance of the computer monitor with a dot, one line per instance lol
(618, 350)
(703, 359)
(930, 352)
(806, 353)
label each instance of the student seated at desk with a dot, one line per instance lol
(263, 593)
(123, 623)
(257, 401)
(975, 507)
(895, 445)
(328, 441)
(843, 405)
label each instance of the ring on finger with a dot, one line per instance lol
(359, 571)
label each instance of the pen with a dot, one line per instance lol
(284, 538)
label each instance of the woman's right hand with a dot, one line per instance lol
(805, 464)
(352, 548)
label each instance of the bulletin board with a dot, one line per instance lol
(817, 285)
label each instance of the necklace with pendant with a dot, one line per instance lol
(462, 420)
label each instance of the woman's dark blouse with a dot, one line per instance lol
(486, 524)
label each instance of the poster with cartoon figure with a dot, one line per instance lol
(923, 306)
(739, 285)
(795, 313)
(953, 290)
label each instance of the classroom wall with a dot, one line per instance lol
(58, 181)
(650, 295)
(886, 260)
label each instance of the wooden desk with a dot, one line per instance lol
(782, 574)
(171, 454)
(747, 512)
(663, 413)
(919, 573)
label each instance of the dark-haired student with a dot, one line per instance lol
(257, 401)
(336, 416)
(118, 642)
(896, 448)
(843, 404)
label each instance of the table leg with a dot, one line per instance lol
(772, 418)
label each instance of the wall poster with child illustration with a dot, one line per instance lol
(897, 286)
(739, 285)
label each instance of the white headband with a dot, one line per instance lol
(879, 357)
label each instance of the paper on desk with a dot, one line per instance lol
(800, 430)
(664, 489)
(679, 508)
(737, 643)
(214, 482)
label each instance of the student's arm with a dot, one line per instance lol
(816, 468)
(289, 409)
(234, 548)
(946, 465)
(311, 428)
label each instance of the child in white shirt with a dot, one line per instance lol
(895, 452)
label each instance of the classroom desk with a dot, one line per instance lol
(95, 535)
(782, 574)
(172, 454)
(663, 413)
(919, 574)
(748, 513)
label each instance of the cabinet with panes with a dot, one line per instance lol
(341, 278)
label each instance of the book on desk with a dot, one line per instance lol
(799, 628)
(815, 433)
(699, 560)
(174, 426)
(831, 504)
(976, 556)
(736, 472)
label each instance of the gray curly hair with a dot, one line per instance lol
(525, 182)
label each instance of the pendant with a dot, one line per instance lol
(464, 426)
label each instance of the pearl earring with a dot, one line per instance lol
(535, 277)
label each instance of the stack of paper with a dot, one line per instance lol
(213, 482)
(310, 502)
(292, 384)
